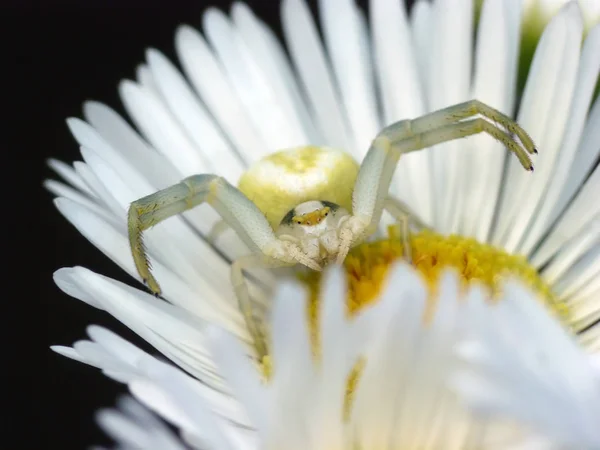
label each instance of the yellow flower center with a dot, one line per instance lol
(367, 265)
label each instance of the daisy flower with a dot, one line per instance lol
(381, 378)
(242, 97)
(539, 12)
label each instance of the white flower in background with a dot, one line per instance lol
(539, 12)
(242, 98)
(536, 15)
(381, 379)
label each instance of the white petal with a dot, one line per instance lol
(145, 79)
(449, 83)
(115, 130)
(184, 393)
(587, 77)
(161, 129)
(309, 59)
(133, 425)
(591, 290)
(293, 368)
(62, 190)
(117, 359)
(241, 375)
(421, 20)
(572, 251)
(114, 244)
(532, 371)
(345, 42)
(586, 312)
(194, 119)
(269, 55)
(90, 139)
(101, 194)
(337, 361)
(580, 213)
(175, 333)
(153, 396)
(210, 81)
(251, 85)
(69, 175)
(401, 96)
(544, 113)
(495, 59)
(182, 239)
(583, 207)
(579, 274)
(586, 157)
(590, 340)
(387, 374)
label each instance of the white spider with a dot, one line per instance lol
(317, 232)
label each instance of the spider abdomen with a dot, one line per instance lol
(285, 179)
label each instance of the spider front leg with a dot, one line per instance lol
(238, 212)
(402, 212)
(405, 217)
(255, 326)
(375, 175)
(234, 207)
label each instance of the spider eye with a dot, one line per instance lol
(326, 214)
(298, 222)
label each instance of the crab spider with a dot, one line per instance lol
(317, 232)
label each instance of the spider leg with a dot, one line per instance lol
(399, 210)
(217, 230)
(235, 208)
(378, 167)
(255, 325)
(403, 214)
(458, 112)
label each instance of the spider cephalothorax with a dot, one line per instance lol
(314, 226)
(316, 230)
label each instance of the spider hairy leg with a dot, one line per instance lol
(399, 210)
(455, 113)
(242, 293)
(405, 217)
(147, 212)
(467, 128)
(217, 230)
(455, 122)
(235, 208)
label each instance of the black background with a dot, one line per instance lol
(56, 57)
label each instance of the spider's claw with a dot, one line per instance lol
(531, 168)
(341, 257)
(314, 266)
(535, 151)
(153, 286)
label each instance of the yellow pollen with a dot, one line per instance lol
(367, 265)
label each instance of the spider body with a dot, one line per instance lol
(314, 226)
(304, 216)
(284, 179)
